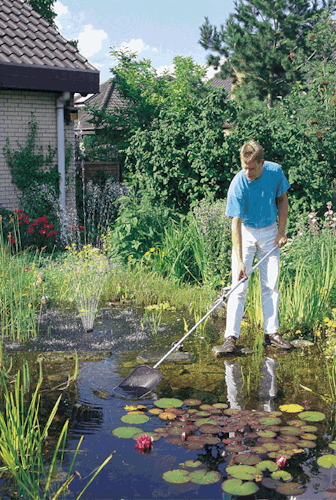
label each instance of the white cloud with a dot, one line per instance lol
(165, 69)
(60, 9)
(90, 40)
(135, 45)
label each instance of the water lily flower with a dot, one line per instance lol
(281, 461)
(144, 443)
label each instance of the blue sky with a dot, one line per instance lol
(157, 29)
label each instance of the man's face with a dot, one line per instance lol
(253, 170)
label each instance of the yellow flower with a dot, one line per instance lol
(152, 249)
(298, 332)
(326, 320)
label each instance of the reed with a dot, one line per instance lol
(22, 442)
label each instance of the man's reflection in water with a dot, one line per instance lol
(267, 385)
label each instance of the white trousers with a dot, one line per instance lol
(260, 241)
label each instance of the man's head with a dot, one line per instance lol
(252, 159)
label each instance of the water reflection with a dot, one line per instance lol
(267, 385)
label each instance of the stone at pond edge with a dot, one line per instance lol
(153, 357)
(61, 356)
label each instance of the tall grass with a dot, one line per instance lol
(21, 288)
(305, 298)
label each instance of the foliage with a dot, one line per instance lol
(45, 8)
(138, 227)
(26, 166)
(264, 44)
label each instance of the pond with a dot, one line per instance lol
(228, 409)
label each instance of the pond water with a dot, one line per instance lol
(250, 388)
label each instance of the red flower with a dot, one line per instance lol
(35, 223)
(42, 231)
(18, 211)
(42, 219)
(13, 240)
(30, 229)
(26, 220)
(27, 269)
(46, 226)
(80, 227)
(281, 461)
(51, 225)
(144, 444)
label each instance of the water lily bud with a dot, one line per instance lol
(281, 461)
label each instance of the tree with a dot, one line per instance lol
(44, 7)
(260, 44)
(144, 95)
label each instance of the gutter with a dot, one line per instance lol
(61, 149)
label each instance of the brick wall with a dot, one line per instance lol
(16, 108)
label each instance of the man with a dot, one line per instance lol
(257, 197)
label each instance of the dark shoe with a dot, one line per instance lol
(227, 348)
(276, 340)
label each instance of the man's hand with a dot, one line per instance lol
(280, 240)
(241, 270)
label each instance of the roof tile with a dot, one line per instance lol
(28, 38)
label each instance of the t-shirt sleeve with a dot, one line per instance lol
(283, 184)
(235, 204)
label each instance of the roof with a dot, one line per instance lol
(219, 82)
(107, 99)
(34, 56)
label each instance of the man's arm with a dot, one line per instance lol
(238, 246)
(282, 203)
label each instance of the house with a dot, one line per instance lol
(107, 99)
(40, 72)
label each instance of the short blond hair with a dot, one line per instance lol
(251, 151)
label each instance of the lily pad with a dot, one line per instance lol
(177, 476)
(309, 436)
(206, 407)
(291, 431)
(295, 423)
(155, 411)
(245, 472)
(210, 429)
(192, 463)
(155, 436)
(192, 402)
(309, 428)
(332, 445)
(312, 416)
(165, 415)
(237, 487)
(268, 482)
(305, 444)
(291, 489)
(291, 408)
(266, 433)
(247, 459)
(205, 421)
(281, 474)
(203, 477)
(267, 465)
(134, 418)
(221, 406)
(270, 421)
(126, 432)
(327, 461)
(168, 403)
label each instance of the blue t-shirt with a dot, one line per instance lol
(254, 201)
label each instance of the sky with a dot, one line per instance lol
(157, 30)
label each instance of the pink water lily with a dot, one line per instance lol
(281, 461)
(144, 444)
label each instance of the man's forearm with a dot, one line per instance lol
(282, 215)
(237, 238)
